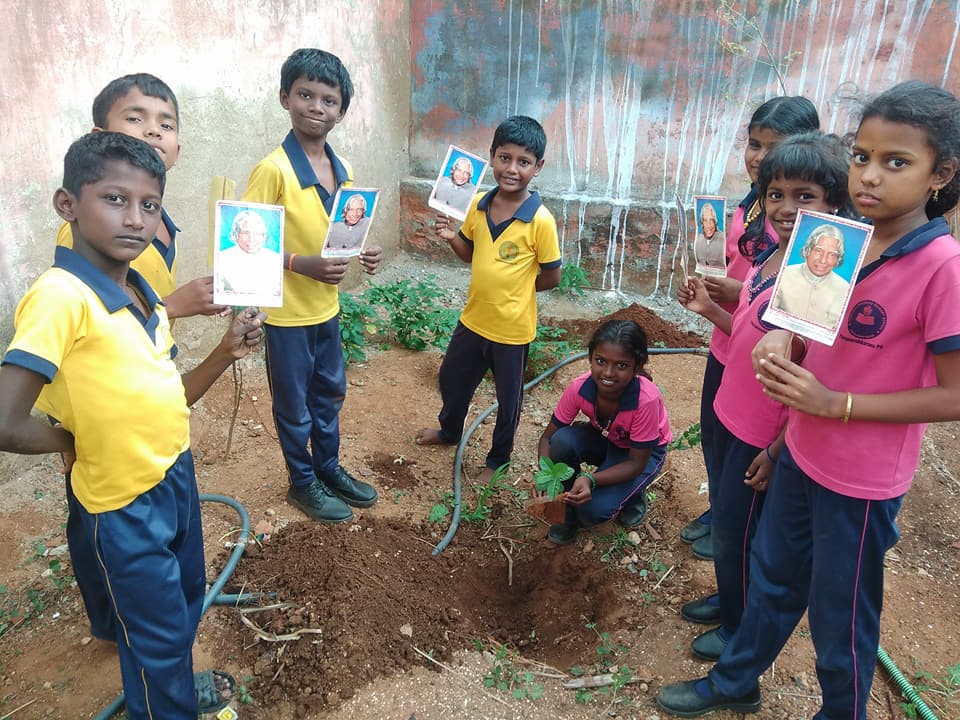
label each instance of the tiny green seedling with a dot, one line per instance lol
(551, 476)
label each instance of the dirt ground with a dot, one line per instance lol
(372, 624)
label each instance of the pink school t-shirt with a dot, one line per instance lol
(737, 268)
(741, 404)
(899, 316)
(641, 420)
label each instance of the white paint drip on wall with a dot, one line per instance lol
(702, 148)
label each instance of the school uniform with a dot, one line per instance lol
(737, 268)
(304, 357)
(157, 264)
(113, 385)
(830, 514)
(640, 422)
(499, 319)
(747, 422)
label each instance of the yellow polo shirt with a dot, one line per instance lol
(285, 177)
(502, 300)
(111, 379)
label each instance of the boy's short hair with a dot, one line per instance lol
(523, 131)
(317, 66)
(149, 85)
(87, 158)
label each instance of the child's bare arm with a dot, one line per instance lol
(460, 247)
(326, 270)
(244, 335)
(19, 432)
(193, 298)
(548, 279)
(796, 387)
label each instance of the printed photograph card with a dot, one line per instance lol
(710, 245)
(353, 210)
(248, 254)
(821, 263)
(457, 182)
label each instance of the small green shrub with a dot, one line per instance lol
(573, 280)
(549, 347)
(357, 320)
(416, 312)
(689, 438)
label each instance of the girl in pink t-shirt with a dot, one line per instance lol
(747, 236)
(809, 172)
(855, 418)
(625, 434)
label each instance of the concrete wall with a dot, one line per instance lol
(223, 61)
(642, 100)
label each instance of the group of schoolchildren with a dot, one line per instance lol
(825, 440)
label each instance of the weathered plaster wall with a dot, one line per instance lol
(642, 100)
(223, 61)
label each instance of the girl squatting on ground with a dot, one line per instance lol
(809, 172)
(856, 414)
(625, 436)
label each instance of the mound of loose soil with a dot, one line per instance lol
(660, 333)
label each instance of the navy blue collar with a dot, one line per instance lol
(167, 252)
(525, 212)
(762, 257)
(916, 239)
(302, 167)
(629, 400)
(750, 198)
(111, 295)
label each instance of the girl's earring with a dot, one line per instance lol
(936, 195)
(836, 210)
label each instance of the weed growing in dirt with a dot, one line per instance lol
(573, 281)
(946, 689)
(548, 348)
(244, 694)
(551, 476)
(620, 675)
(689, 438)
(506, 676)
(482, 511)
(17, 608)
(617, 545)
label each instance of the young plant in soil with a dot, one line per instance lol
(550, 477)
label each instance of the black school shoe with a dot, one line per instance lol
(699, 697)
(346, 487)
(704, 611)
(634, 513)
(709, 645)
(703, 548)
(694, 530)
(319, 503)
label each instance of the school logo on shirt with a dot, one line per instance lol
(509, 251)
(760, 322)
(866, 320)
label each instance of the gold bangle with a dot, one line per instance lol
(849, 408)
(290, 262)
(803, 348)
